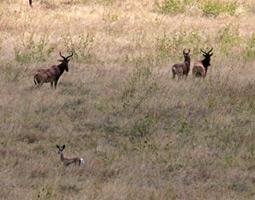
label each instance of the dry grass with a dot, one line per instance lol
(142, 135)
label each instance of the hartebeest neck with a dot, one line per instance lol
(206, 63)
(187, 61)
(62, 67)
(62, 156)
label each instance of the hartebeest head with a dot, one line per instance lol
(186, 54)
(207, 57)
(65, 61)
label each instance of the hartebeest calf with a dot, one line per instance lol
(200, 67)
(53, 73)
(69, 161)
(182, 69)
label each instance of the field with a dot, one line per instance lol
(143, 135)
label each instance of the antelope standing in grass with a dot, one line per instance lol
(69, 161)
(53, 73)
(182, 69)
(200, 67)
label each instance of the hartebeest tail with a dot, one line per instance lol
(53, 73)
(69, 161)
(200, 67)
(182, 69)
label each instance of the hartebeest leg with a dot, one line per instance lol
(56, 82)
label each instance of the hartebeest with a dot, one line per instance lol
(200, 67)
(182, 69)
(53, 73)
(69, 161)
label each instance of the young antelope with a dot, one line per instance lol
(69, 161)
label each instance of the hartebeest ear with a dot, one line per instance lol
(57, 146)
(63, 147)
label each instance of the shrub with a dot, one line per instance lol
(171, 6)
(211, 8)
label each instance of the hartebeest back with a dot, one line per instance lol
(69, 161)
(200, 67)
(53, 73)
(182, 69)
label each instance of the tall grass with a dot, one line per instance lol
(142, 135)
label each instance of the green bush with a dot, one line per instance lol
(211, 8)
(228, 38)
(33, 49)
(171, 6)
(250, 52)
(172, 46)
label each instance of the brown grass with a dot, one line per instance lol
(142, 135)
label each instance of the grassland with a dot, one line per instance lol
(142, 135)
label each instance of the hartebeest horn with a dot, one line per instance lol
(206, 53)
(69, 56)
(65, 58)
(210, 50)
(61, 55)
(184, 51)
